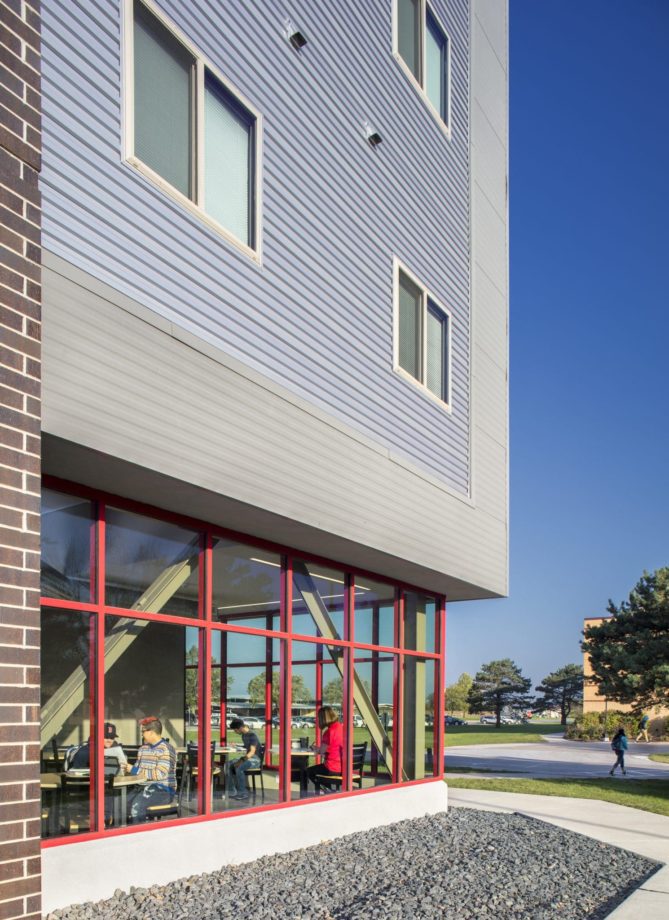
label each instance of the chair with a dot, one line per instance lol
(156, 812)
(191, 768)
(359, 752)
(257, 771)
(75, 796)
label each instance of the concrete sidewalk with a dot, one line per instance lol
(641, 832)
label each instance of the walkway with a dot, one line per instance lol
(639, 831)
(558, 758)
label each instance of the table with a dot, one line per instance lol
(300, 756)
(50, 783)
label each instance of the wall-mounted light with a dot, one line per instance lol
(372, 135)
(293, 35)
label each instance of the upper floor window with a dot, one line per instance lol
(188, 130)
(422, 336)
(423, 48)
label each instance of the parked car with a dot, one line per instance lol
(358, 722)
(253, 722)
(451, 720)
(488, 720)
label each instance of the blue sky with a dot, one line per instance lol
(589, 253)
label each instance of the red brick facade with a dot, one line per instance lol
(20, 325)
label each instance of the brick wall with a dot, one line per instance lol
(20, 316)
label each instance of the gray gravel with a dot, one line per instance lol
(464, 865)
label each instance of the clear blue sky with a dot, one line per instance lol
(589, 252)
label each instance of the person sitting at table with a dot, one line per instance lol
(155, 769)
(250, 760)
(332, 746)
(78, 757)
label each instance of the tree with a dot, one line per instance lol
(333, 691)
(192, 680)
(256, 689)
(629, 652)
(456, 694)
(560, 690)
(499, 684)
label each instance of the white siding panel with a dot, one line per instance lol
(491, 312)
(124, 388)
(492, 16)
(490, 156)
(490, 77)
(489, 232)
(490, 383)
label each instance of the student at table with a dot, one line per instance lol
(78, 757)
(155, 768)
(250, 760)
(332, 746)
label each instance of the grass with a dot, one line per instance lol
(645, 794)
(659, 758)
(457, 735)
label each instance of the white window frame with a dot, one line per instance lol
(202, 64)
(446, 126)
(426, 296)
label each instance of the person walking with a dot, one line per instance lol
(619, 746)
(643, 727)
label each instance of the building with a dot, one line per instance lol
(594, 701)
(253, 308)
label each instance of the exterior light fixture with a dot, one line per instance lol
(372, 135)
(293, 35)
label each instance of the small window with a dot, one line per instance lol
(423, 48)
(422, 340)
(190, 133)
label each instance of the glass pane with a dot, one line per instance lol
(317, 682)
(318, 600)
(419, 613)
(67, 535)
(151, 564)
(227, 161)
(246, 585)
(374, 716)
(246, 687)
(67, 645)
(374, 612)
(147, 674)
(436, 66)
(417, 718)
(437, 337)
(408, 34)
(163, 72)
(410, 305)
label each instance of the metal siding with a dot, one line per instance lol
(111, 386)
(317, 317)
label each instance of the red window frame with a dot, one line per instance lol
(206, 626)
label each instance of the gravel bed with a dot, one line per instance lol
(463, 865)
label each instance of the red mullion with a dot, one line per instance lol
(398, 668)
(286, 678)
(375, 683)
(97, 761)
(347, 694)
(204, 676)
(150, 615)
(73, 488)
(440, 709)
(74, 606)
(269, 668)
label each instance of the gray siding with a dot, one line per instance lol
(316, 317)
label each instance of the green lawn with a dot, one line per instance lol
(506, 734)
(648, 795)
(659, 758)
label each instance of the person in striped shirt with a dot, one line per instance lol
(155, 769)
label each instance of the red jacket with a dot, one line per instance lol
(333, 736)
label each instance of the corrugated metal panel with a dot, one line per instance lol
(490, 160)
(111, 385)
(317, 317)
(491, 321)
(492, 14)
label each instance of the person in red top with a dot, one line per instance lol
(332, 746)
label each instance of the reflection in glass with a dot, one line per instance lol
(318, 600)
(66, 647)
(418, 745)
(419, 613)
(66, 546)
(374, 612)
(317, 680)
(246, 685)
(246, 585)
(373, 714)
(151, 565)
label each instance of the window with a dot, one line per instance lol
(422, 337)
(188, 131)
(423, 48)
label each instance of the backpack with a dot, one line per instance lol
(616, 745)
